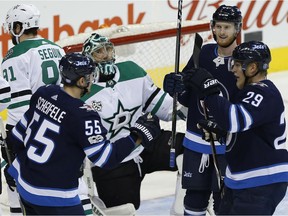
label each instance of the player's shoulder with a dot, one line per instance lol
(266, 88)
(28, 45)
(130, 70)
(210, 47)
(73, 106)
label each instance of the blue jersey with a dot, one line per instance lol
(258, 156)
(218, 67)
(51, 142)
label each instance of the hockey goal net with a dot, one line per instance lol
(152, 46)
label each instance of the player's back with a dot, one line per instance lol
(54, 139)
(27, 66)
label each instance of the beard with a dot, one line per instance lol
(226, 42)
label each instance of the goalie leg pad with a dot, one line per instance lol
(100, 209)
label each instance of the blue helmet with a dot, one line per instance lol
(73, 66)
(227, 14)
(253, 51)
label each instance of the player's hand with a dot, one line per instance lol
(200, 81)
(211, 128)
(173, 83)
(147, 128)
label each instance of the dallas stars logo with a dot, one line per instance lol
(121, 120)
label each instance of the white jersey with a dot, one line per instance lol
(5, 94)
(27, 66)
(122, 100)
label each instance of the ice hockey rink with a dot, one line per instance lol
(158, 188)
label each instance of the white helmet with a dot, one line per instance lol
(26, 14)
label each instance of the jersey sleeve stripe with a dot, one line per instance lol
(104, 156)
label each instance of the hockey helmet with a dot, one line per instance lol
(252, 51)
(94, 47)
(95, 42)
(27, 14)
(73, 66)
(228, 14)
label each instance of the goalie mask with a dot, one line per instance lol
(26, 14)
(102, 51)
(227, 14)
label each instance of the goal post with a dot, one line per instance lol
(151, 45)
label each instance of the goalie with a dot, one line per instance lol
(121, 93)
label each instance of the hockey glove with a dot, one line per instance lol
(147, 127)
(211, 128)
(173, 83)
(201, 81)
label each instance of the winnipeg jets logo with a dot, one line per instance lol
(97, 105)
(187, 174)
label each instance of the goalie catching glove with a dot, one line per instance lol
(211, 128)
(147, 127)
(201, 81)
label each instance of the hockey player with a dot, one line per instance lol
(198, 173)
(57, 132)
(123, 92)
(31, 63)
(257, 172)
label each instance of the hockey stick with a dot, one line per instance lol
(196, 53)
(4, 143)
(172, 140)
(4, 136)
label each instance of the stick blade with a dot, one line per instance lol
(197, 48)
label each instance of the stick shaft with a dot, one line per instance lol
(175, 96)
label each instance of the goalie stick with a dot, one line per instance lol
(196, 53)
(172, 140)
